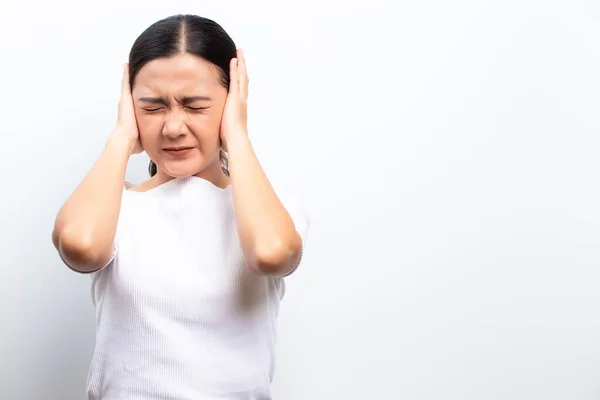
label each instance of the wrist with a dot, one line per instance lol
(235, 142)
(120, 142)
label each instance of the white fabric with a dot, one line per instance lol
(179, 315)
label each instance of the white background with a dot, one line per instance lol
(447, 152)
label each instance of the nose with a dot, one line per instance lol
(174, 126)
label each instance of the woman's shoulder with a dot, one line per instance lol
(140, 187)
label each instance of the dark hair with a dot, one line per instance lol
(178, 34)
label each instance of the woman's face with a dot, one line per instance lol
(179, 103)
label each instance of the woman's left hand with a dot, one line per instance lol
(234, 122)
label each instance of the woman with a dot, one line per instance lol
(187, 267)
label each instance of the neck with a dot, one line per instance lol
(213, 173)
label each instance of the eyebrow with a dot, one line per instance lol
(183, 100)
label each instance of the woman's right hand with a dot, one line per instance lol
(126, 122)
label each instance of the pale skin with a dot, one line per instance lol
(180, 102)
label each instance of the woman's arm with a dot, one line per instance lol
(269, 240)
(85, 227)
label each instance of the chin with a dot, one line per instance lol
(181, 169)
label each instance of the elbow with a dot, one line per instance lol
(278, 259)
(79, 251)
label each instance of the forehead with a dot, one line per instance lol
(183, 72)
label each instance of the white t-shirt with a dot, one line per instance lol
(178, 313)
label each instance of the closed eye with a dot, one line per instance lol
(195, 109)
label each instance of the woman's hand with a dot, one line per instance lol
(126, 122)
(234, 122)
(270, 243)
(85, 227)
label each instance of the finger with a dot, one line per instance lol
(233, 76)
(242, 74)
(125, 81)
